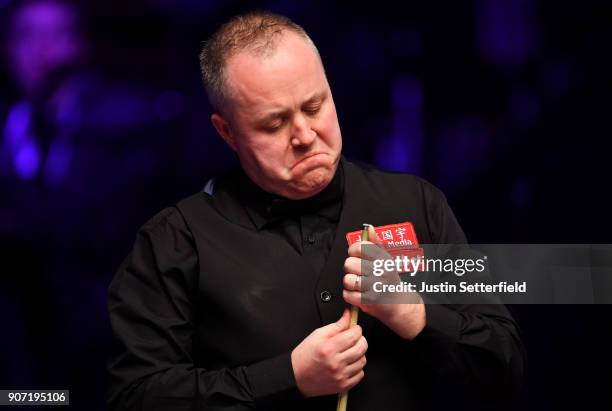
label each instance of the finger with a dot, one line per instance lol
(352, 282)
(358, 266)
(352, 265)
(368, 251)
(346, 339)
(354, 367)
(352, 297)
(354, 380)
(337, 327)
(355, 352)
(354, 249)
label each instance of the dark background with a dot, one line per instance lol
(502, 104)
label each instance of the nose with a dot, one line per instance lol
(302, 135)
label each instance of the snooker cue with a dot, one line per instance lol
(343, 396)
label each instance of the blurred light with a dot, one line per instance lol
(506, 32)
(403, 149)
(25, 153)
(58, 163)
(462, 151)
(366, 53)
(27, 161)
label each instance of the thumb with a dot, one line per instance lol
(372, 236)
(344, 321)
(338, 326)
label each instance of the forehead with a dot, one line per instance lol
(290, 72)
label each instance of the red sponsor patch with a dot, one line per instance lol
(399, 240)
(392, 235)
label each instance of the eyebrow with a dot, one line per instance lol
(315, 98)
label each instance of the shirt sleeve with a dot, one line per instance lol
(477, 345)
(151, 309)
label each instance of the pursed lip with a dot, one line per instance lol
(305, 158)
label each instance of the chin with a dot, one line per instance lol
(312, 184)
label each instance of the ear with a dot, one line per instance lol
(222, 127)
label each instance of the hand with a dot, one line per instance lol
(331, 359)
(406, 319)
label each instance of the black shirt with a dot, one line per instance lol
(308, 225)
(216, 293)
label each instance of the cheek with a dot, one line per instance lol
(329, 129)
(329, 133)
(267, 155)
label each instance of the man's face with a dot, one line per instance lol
(281, 119)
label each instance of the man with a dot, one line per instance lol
(236, 298)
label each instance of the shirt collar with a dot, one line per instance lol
(264, 208)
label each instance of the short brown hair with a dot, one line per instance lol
(256, 31)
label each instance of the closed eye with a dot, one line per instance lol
(273, 127)
(311, 110)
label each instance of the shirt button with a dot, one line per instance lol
(310, 239)
(326, 296)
